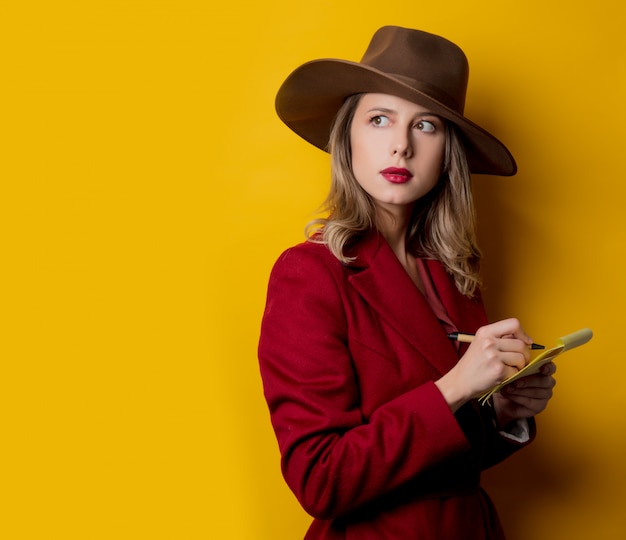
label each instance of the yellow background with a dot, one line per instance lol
(146, 189)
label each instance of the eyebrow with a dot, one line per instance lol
(381, 109)
(389, 111)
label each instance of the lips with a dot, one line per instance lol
(396, 175)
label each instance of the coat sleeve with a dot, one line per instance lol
(499, 444)
(333, 459)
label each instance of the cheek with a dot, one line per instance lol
(359, 155)
(439, 164)
(436, 162)
(358, 168)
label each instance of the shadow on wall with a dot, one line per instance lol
(529, 486)
(526, 487)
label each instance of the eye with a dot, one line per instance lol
(379, 120)
(426, 126)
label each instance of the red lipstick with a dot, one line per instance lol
(396, 175)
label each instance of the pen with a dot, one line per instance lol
(468, 338)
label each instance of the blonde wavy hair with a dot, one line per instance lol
(443, 224)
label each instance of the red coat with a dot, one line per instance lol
(349, 355)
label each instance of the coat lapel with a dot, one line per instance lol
(384, 284)
(467, 314)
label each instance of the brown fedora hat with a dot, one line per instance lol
(420, 67)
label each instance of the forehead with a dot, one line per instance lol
(390, 103)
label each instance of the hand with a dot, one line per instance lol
(498, 351)
(525, 397)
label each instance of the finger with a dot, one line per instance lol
(510, 328)
(514, 391)
(528, 393)
(516, 346)
(548, 369)
(516, 360)
(507, 372)
(535, 381)
(535, 405)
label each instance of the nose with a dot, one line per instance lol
(402, 145)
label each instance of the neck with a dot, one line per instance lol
(394, 226)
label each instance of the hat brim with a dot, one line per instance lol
(309, 99)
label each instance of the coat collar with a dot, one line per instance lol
(384, 284)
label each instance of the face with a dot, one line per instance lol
(397, 150)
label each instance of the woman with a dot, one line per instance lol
(373, 405)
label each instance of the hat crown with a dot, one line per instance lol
(421, 60)
(420, 67)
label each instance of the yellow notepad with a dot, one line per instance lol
(565, 343)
